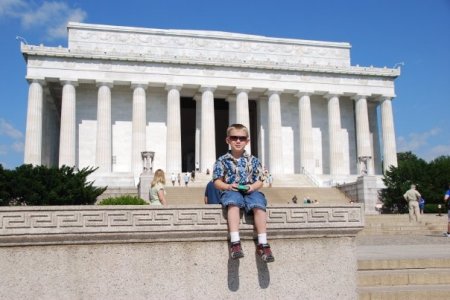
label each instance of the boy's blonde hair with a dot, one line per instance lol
(238, 127)
(159, 177)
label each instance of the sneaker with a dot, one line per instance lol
(446, 234)
(236, 250)
(263, 250)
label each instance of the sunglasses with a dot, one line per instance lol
(234, 138)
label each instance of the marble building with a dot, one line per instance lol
(115, 92)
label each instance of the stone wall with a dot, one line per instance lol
(91, 252)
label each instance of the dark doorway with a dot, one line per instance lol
(187, 134)
(221, 123)
(221, 117)
(253, 129)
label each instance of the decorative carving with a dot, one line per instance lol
(147, 161)
(363, 163)
(35, 220)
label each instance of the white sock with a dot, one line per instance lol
(234, 236)
(262, 238)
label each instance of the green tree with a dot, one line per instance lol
(41, 185)
(432, 180)
(410, 170)
(439, 169)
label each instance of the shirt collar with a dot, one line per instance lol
(245, 154)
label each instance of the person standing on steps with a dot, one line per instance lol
(446, 200)
(412, 196)
(173, 178)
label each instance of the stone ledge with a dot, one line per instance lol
(47, 225)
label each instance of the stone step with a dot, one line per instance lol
(402, 264)
(288, 180)
(404, 278)
(195, 195)
(428, 276)
(405, 292)
(399, 225)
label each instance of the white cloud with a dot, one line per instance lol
(11, 7)
(52, 16)
(18, 146)
(11, 138)
(8, 130)
(437, 151)
(3, 149)
(415, 140)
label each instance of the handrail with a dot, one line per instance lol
(313, 178)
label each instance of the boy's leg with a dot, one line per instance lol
(263, 248)
(260, 220)
(257, 203)
(233, 201)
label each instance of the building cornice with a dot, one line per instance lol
(61, 52)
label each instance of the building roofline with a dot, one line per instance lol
(208, 34)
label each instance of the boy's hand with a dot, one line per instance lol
(234, 186)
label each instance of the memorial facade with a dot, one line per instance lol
(116, 92)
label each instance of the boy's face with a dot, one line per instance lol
(237, 139)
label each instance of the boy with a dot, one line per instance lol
(446, 199)
(239, 175)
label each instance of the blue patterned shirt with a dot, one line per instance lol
(245, 170)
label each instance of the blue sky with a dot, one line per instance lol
(382, 33)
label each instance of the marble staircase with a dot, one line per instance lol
(413, 263)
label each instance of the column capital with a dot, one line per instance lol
(240, 89)
(104, 83)
(271, 92)
(331, 95)
(40, 80)
(383, 98)
(206, 88)
(231, 98)
(300, 94)
(173, 86)
(360, 96)
(135, 85)
(65, 81)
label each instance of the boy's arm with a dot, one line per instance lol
(255, 186)
(220, 185)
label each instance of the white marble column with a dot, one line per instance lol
(388, 132)
(139, 125)
(173, 148)
(275, 133)
(198, 125)
(103, 155)
(242, 111)
(67, 139)
(262, 110)
(375, 136)
(334, 134)
(231, 99)
(305, 130)
(208, 131)
(33, 135)
(363, 145)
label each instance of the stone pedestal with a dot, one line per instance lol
(368, 193)
(145, 181)
(175, 252)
